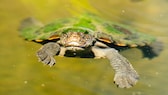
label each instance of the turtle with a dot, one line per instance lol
(89, 36)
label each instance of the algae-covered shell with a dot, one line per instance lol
(103, 30)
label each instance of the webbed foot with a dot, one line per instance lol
(46, 53)
(126, 79)
(125, 75)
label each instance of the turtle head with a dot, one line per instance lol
(76, 39)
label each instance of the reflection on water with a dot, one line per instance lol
(21, 73)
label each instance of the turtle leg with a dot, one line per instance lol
(125, 75)
(46, 53)
(153, 49)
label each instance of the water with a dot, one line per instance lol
(21, 73)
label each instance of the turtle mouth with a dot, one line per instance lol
(74, 48)
(73, 44)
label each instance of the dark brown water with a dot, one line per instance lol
(22, 74)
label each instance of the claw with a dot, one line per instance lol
(52, 62)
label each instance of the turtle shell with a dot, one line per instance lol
(103, 30)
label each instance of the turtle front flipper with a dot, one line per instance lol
(46, 53)
(125, 75)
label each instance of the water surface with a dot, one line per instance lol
(21, 73)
